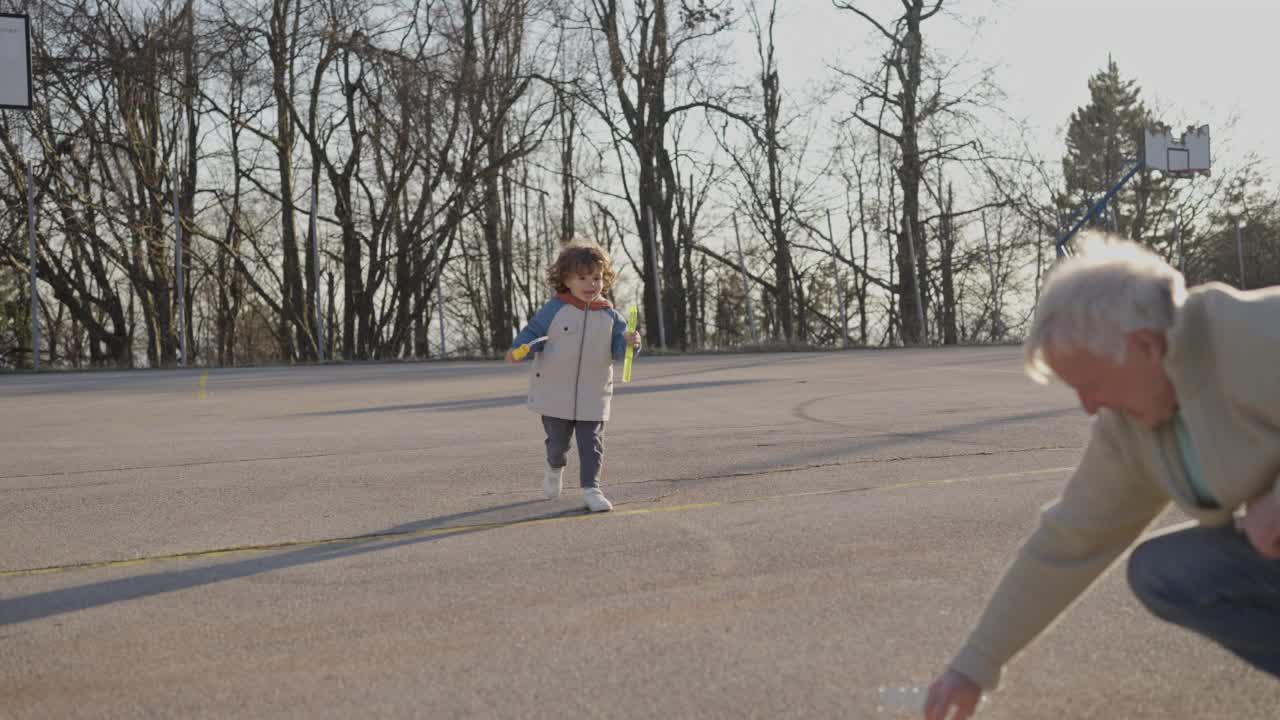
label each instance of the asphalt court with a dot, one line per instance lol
(792, 532)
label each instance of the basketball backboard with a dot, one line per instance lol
(1179, 157)
(15, 62)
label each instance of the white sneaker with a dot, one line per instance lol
(596, 501)
(551, 482)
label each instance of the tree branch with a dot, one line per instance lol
(849, 6)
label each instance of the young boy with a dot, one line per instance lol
(571, 383)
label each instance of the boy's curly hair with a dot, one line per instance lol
(580, 256)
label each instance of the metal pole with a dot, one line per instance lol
(439, 279)
(1240, 251)
(1061, 242)
(746, 286)
(444, 347)
(177, 257)
(33, 260)
(911, 246)
(657, 283)
(431, 213)
(995, 287)
(546, 231)
(315, 273)
(1177, 239)
(844, 312)
(331, 321)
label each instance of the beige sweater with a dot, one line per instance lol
(1224, 362)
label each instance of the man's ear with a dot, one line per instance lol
(1149, 345)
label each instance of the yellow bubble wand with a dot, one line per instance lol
(524, 349)
(632, 319)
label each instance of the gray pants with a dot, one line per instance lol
(590, 446)
(1213, 582)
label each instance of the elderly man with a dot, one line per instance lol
(1184, 390)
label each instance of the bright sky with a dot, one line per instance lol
(1197, 62)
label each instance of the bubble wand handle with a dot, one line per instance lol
(522, 351)
(632, 319)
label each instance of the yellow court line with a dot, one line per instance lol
(459, 529)
(300, 544)
(909, 484)
(204, 383)
(997, 371)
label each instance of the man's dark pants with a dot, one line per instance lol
(1213, 582)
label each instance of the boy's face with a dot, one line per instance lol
(586, 282)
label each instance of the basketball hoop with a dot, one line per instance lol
(1182, 157)
(15, 62)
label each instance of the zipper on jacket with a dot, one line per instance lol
(582, 345)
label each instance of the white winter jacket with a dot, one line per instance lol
(572, 374)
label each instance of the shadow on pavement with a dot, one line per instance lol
(516, 400)
(15, 610)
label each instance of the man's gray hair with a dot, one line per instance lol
(1092, 299)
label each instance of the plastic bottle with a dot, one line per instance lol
(902, 700)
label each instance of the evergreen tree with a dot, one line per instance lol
(1103, 140)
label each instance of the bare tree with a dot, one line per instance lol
(644, 51)
(903, 63)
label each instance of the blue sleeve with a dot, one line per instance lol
(619, 342)
(538, 325)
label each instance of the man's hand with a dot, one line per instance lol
(1261, 522)
(952, 690)
(511, 358)
(632, 338)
